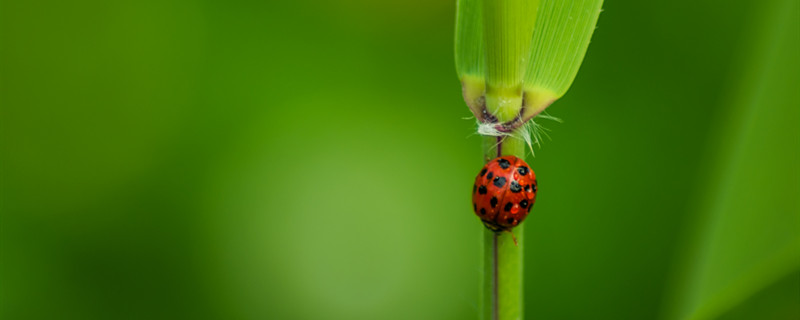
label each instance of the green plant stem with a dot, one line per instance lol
(502, 262)
(507, 29)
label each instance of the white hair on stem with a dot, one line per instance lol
(531, 132)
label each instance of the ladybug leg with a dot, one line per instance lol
(513, 237)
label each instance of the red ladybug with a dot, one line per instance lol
(504, 192)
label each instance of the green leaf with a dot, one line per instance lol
(560, 39)
(513, 48)
(470, 57)
(470, 53)
(745, 237)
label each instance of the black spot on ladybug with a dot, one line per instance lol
(527, 188)
(534, 187)
(493, 202)
(510, 220)
(483, 211)
(499, 182)
(523, 204)
(523, 170)
(515, 187)
(483, 172)
(503, 163)
(508, 206)
(482, 189)
(474, 206)
(489, 176)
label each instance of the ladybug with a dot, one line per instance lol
(503, 193)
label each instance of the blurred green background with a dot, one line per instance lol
(310, 160)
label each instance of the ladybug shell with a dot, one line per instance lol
(504, 192)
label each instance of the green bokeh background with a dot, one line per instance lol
(311, 160)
